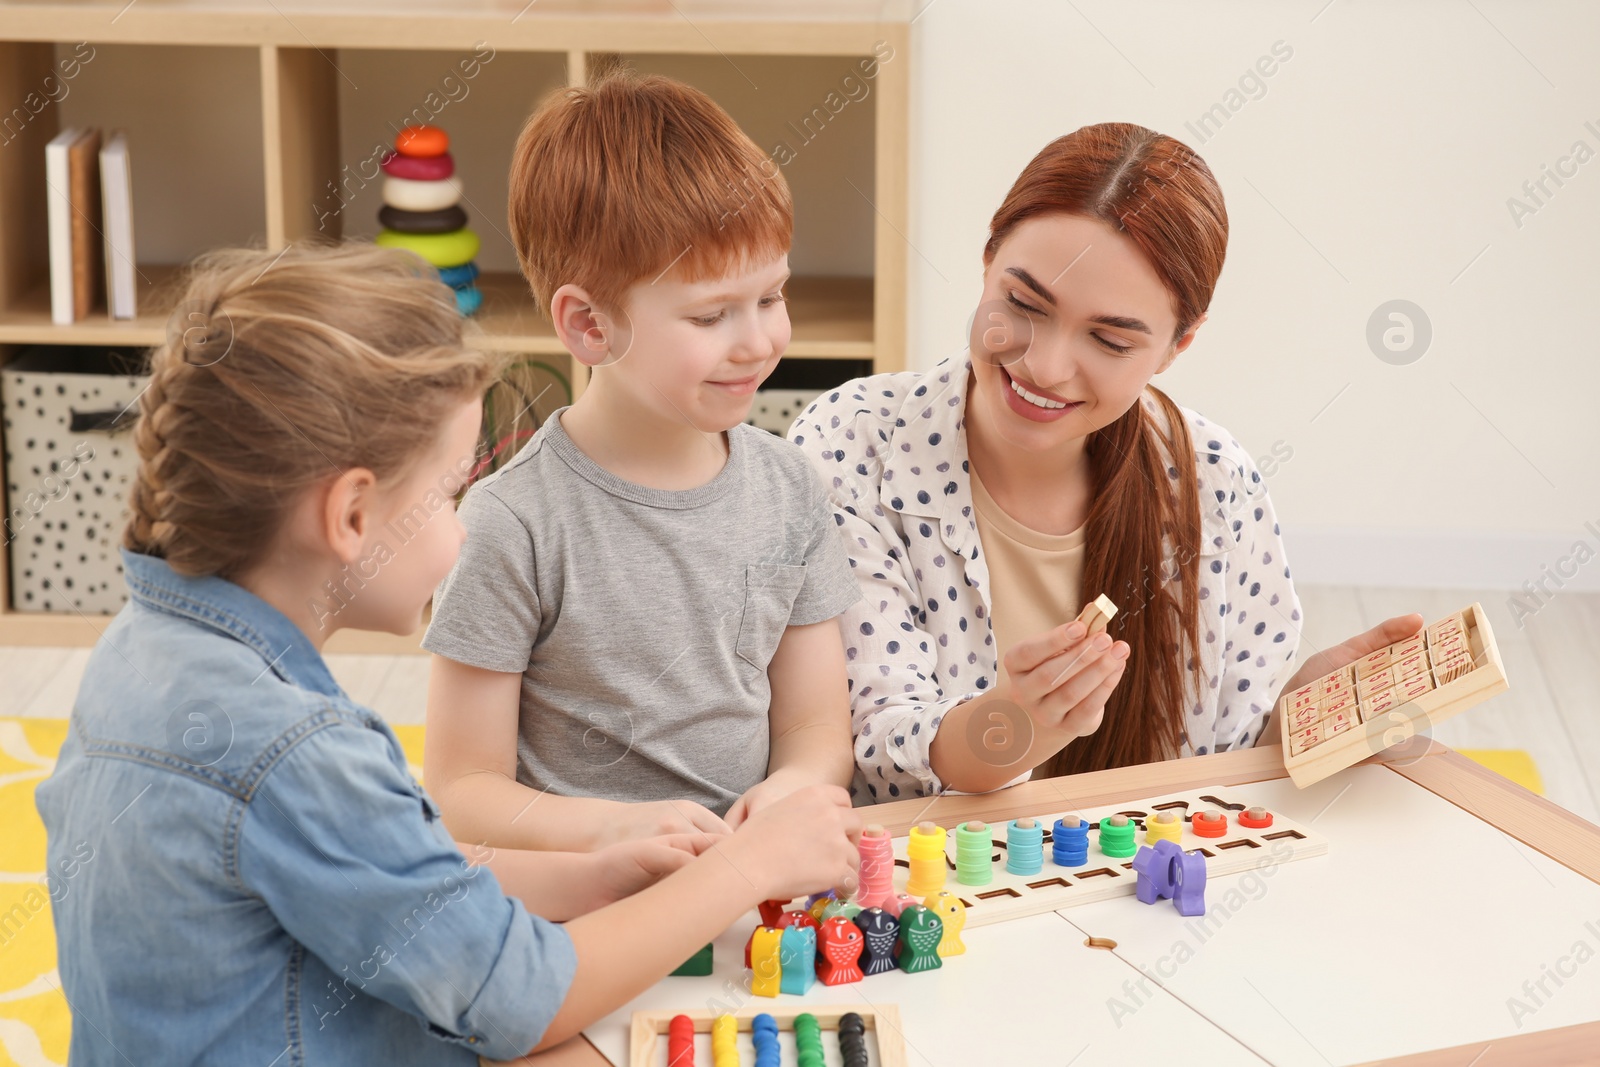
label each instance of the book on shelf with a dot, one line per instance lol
(72, 177)
(88, 268)
(116, 185)
(58, 204)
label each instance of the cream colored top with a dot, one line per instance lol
(1034, 578)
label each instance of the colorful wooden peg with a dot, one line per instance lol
(766, 963)
(838, 952)
(798, 955)
(953, 914)
(1166, 871)
(920, 933)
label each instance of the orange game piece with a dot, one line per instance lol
(422, 141)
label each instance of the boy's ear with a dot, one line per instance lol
(1183, 342)
(591, 335)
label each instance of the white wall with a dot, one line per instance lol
(1375, 164)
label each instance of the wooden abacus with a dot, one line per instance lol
(1390, 696)
(881, 1021)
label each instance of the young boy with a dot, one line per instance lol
(639, 636)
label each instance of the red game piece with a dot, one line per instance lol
(770, 911)
(419, 168)
(680, 1042)
(796, 918)
(839, 952)
(1209, 823)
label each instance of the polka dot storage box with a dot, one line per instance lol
(69, 463)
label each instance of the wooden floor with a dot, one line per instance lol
(1552, 710)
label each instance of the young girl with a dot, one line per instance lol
(265, 882)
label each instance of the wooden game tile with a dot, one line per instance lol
(1374, 684)
(1450, 624)
(1306, 696)
(1307, 738)
(1372, 664)
(1409, 647)
(1304, 718)
(1416, 663)
(1451, 669)
(1414, 686)
(1339, 702)
(1337, 682)
(1449, 647)
(1339, 721)
(1379, 703)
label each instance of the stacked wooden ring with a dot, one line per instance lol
(422, 211)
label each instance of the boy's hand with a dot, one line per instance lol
(802, 843)
(623, 869)
(764, 794)
(662, 818)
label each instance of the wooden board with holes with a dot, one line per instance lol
(1389, 697)
(885, 1040)
(1013, 896)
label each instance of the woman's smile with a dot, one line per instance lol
(1033, 403)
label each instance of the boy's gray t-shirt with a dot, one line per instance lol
(642, 620)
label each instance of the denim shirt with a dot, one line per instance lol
(244, 871)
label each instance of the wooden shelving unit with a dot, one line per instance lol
(297, 45)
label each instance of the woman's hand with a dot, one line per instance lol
(1057, 688)
(1062, 679)
(1331, 659)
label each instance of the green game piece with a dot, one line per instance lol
(696, 966)
(974, 853)
(920, 931)
(440, 249)
(1116, 836)
(840, 908)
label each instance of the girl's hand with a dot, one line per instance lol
(661, 818)
(1331, 659)
(1062, 678)
(623, 869)
(797, 845)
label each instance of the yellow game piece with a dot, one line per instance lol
(725, 1041)
(953, 914)
(766, 962)
(925, 849)
(1164, 826)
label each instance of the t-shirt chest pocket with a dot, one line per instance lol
(770, 590)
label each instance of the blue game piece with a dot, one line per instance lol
(1069, 845)
(797, 954)
(469, 299)
(462, 274)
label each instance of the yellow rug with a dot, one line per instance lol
(34, 1022)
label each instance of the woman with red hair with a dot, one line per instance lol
(984, 501)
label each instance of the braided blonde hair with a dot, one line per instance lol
(279, 371)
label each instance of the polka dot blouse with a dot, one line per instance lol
(892, 451)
